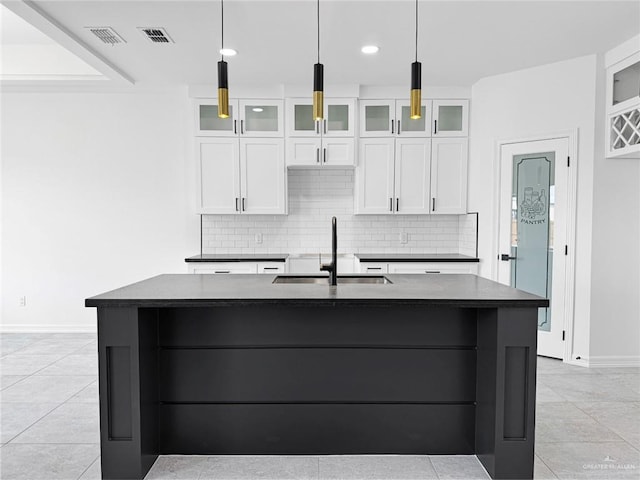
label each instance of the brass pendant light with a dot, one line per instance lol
(223, 78)
(318, 80)
(416, 81)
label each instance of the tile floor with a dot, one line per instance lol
(587, 426)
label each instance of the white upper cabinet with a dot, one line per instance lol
(449, 176)
(218, 175)
(377, 118)
(338, 119)
(412, 175)
(247, 118)
(261, 118)
(374, 176)
(326, 142)
(384, 118)
(263, 176)
(623, 108)
(406, 126)
(207, 122)
(245, 176)
(450, 118)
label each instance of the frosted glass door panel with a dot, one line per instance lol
(407, 124)
(260, 118)
(532, 227)
(303, 119)
(626, 83)
(450, 118)
(209, 124)
(337, 118)
(376, 117)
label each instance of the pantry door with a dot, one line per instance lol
(533, 230)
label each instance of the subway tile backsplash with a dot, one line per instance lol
(317, 195)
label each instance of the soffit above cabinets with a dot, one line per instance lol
(459, 42)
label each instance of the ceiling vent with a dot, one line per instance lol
(156, 34)
(107, 35)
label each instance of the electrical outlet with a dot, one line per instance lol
(404, 237)
(23, 301)
(258, 238)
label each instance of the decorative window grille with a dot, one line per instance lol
(625, 129)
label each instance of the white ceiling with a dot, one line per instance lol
(459, 42)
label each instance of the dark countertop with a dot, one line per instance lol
(231, 257)
(175, 290)
(414, 257)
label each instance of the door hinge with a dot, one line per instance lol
(568, 161)
(563, 335)
(566, 249)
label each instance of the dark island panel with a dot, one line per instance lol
(317, 375)
(281, 325)
(337, 429)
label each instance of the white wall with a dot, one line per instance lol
(94, 196)
(615, 282)
(542, 100)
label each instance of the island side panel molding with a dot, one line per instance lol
(506, 391)
(127, 356)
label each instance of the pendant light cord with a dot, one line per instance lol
(318, 31)
(222, 29)
(416, 30)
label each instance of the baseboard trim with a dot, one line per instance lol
(21, 328)
(614, 361)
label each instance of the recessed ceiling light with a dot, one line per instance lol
(369, 49)
(257, 109)
(228, 52)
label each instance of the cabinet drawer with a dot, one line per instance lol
(223, 267)
(433, 267)
(271, 267)
(373, 267)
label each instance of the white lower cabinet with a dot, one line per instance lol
(241, 176)
(419, 267)
(236, 267)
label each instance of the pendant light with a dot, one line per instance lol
(416, 81)
(223, 79)
(318, 80)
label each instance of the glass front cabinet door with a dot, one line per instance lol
(377, 118)
(247, 118)
(406, 126)
(208, 124)
(338, 118)
(450, 118)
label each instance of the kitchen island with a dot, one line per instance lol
(238, 364)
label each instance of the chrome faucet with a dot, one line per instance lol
(332, 267)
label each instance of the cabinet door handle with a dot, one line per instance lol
(398, 127)
(235, 127)
(373, 268)
(432, 271)
(435, 127)
(237, 203)
(244, 209)
(242, 127)
(317, 155)
(433, 204)
(324, 155)
(271, 268)
(222, 271)
(391, 204)
(397, 204)
(392, 126)
(325, 125)
(317, 126)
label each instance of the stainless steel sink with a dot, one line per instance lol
(342, 280)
